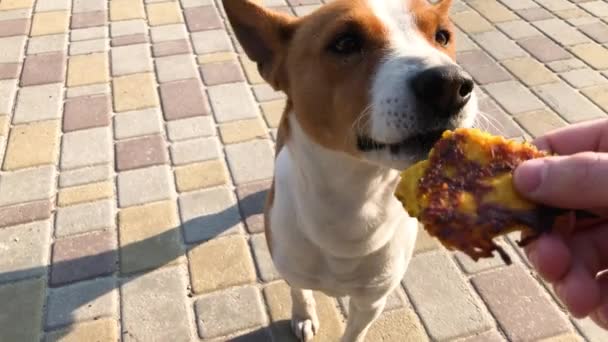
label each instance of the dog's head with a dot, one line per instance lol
(375, 79)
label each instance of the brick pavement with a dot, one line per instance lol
(129, 208)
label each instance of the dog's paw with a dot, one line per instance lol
(304, 328)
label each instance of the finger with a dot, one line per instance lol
(579, 290)
(600, 315)
(586, 136)
(550, 257)
(574, 182)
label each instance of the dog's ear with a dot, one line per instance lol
(264, 35)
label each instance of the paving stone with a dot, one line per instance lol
(171, 47)
(498, 45)
(149, 236)
(85, 193)
(208, 214)
(596, 31)
(73, 262)
(177, 67)
(567, 102)
(27, 185)
(202, 18)
(85, 175)
(131, 59)
(86, 112)
(141, 152)
(168, 32)
(216, 57)
(493, 11)
(471, 22)
(137, 123)
(100, 330)
(200, 175)
(164, 13)
(518, 29)
(464, 42)
(599, 95)
(88, 46)
(183, 99)
(543, 49)
(195, 3)
(487, 336)
(49, 23)
(83, 301)
(25, 213)
(13, 4)
(470, 266)
(395, 300)
(84, 218)
(252, 198)
(11, 49)
(128, 27)
(533, 14)
(44, 44)
(26, 300)
(77, 35)
(400, 325)
(243, 130)
(242, 155)
(24, 251)
(514, 97)
(590, 330)
(15, 27)
(251, 71)
(38, 103)
(88, 19)
(133, 92)
(279, 304)
(561, 31)
(597, 8)
(87, 90)
(497, 121)
(52, 5)
(232, 101)
(273, 111)
(594, 55)
(8, 88)
(87, 69)
(86, 148)
(126, 9)
(480, 66)
(229, 311)
(529, 71)
(138, 38)
(583, 78)
(263, 260)
(194, 127)
(556, 5)
(144, 185)
(264, 92)
(154, 306)
(449, 308)
(79, 6)
(32, 145)
(520, 307)
(4, 123)
(540, 122)
(190, 151)
(221, 72)
(425, 242)
(301, 11)
(211, 41)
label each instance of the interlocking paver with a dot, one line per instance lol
(194, 127)
(50, 43)
(32, 144)
(14, 27)
(84, 193)
(86, 148)
(128, 27)
(84, 218)
(243, 130)
(37, 103)
(540, 122)
(88, 46)
(544, 49)
(27, 185)
(26, 300)
(486, 336)
(25, 213)
(86, 112)
(154, 306)
(517, 29)
(141, 152)
(14, 4)
(493, 11)
(126, 9)
(529, 71)
(86, 90)
(514, 97)
(144, 185)
(88, 69)
(596, 31)
(137, 123)
(232, 101)
(240, 156)
(599, 95)
(597, 8)
(590, 330)
(190, 151)
(43, 68)
(216, 57)
(561, 31)
(471, 22)
(229, 311)
(164, 13)
(52, 5)
(498, 45)
(566, 65)
(556, 5)
(495, 120)
(171, 47)
(183, 99)
(25, 251)
(104, 329)
(131, 59)
(594, 55)
(568, 103)
(480, 66)
(88, 19)
(11, 49)
(168, 32)
(77, 35)
(79, 6)
(221, 72)
(264, 93)
(211, 41)
(583, 78)
(173, 68)
(8, 88)
(252, 198)
(202, 18)
(132, 92)
(272, 112)
(200, 175)
(82, 301)
(137, 38)
(85, 175)
(45, 23)
(263, 259)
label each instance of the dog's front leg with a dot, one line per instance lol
(362, 312)
(304, 319)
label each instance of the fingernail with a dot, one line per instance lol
(529, 175)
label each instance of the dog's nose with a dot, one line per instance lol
(445, 89)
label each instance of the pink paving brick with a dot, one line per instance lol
(16, 27)
(86, 112)
(25, 213)
(43, 68)
(131, 39)
(251, 199)
(171, 47)
(202, 18)
(221, 72)
(141, 152)
(183, 99)
(88, 19)
(9, 71)
(83, 257)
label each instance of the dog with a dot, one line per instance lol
(370, 85)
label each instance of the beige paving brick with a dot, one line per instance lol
(133, 92)
(86, 217)
(216, 57)
(425, 242)
(168, 32)
(529, 71)
(482, 67)
(25, 251)
(11, 49)
(86, 148)
(149, 236)
(144, 185)
(138, 38)
(26, 298)
(154, 306)
(251, 71)
(584, 78)
(560, 31)
(493, 11)
(486, 336)
(470, 266)
(8, 89)
(498, 45)
(177, 67)
(128, 27)
(49, 23)
(52, 5)
(11, 14)
(200, 175)
(514, 97)
(88, 46)
(449, 308)
(263, 260)
(211, 41)
(126, 9)
(568, 103)
(540, 122)
(599, 95)
(273, 112)
(37, 103)
(189, 151)
(79, 6)
(85, 193)
(32, 145)
(398, 325)
(471, 22)
(243, 154)
(137, 123)
(77, 35)
(27, 185)
(88, 69)
(566, 65)
(590, 330)
(199, 126)
(597, 8)
(87, 90)
(25, 213)
(86, 175)
(232, 101)
(243, 130)
(105, 329)
(15, 4)
(131, 59)
(164, 13)
(49, 43)
(4, 122)
(518, 29)
(279, 305)
(592, 54)
(264, 93)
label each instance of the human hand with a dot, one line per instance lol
(577, 179)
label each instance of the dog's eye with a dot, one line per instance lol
(346, 44)
(442, 37)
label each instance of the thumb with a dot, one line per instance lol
(578, 181)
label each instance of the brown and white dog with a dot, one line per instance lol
(370, 86)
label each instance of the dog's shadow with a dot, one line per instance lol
(248, 207)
